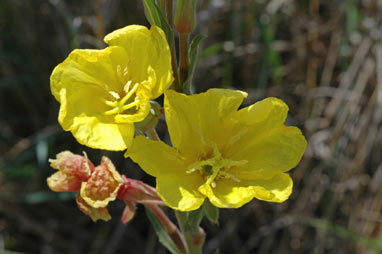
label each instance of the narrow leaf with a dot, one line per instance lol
(151, 12)
(156, 17)
(9, 252)
(192, 56)
(211, 211)
(163, 236)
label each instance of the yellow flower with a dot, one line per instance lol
(227, 155)
(104, 92)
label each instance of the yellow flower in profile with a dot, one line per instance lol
(227, 155)
(104, 92)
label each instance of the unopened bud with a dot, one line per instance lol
(185, 16)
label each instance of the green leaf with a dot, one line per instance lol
(156, 17)
(9, 252)
(211, 212)
(162, 234)
(192, 56)
(193, 221)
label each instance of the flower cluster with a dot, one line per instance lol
(220, 153)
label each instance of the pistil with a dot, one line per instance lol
(216, 167)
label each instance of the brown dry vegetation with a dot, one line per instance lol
(323, 57)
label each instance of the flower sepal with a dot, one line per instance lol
(151, 119)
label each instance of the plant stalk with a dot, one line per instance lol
(183, 57)
(194, 242)
(174, 62)
(171, 229)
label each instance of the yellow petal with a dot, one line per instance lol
(81, 84)
(149, 55)
(193, 120)
(258, 134)
(155, 157)
(92, 132)
(180, 190)
(89, 68)
(231, 194)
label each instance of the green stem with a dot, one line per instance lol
(174, 62)
(171, 229)
(152, 134)
(183, 57)
(194, 242)
(162, 5)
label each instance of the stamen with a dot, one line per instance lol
(224, 174)
(129, 94)
(191, 170)
(113, 111)
(125, 71)
(115, 95)
(126, 88)
(130, 105)
(119, 73)
(111, 103)
(213, 184)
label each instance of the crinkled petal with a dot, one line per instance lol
(155, 157)
(102, 186)
(94, 213)
(81, 84)
(149, 55)
(231, 194)
(258, 134)
(73, 164)
(180, 191)
(61, 181)
(193, 120)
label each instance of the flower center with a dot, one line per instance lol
(214, 167)
(123, 104)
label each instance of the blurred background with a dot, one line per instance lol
(322, 57)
